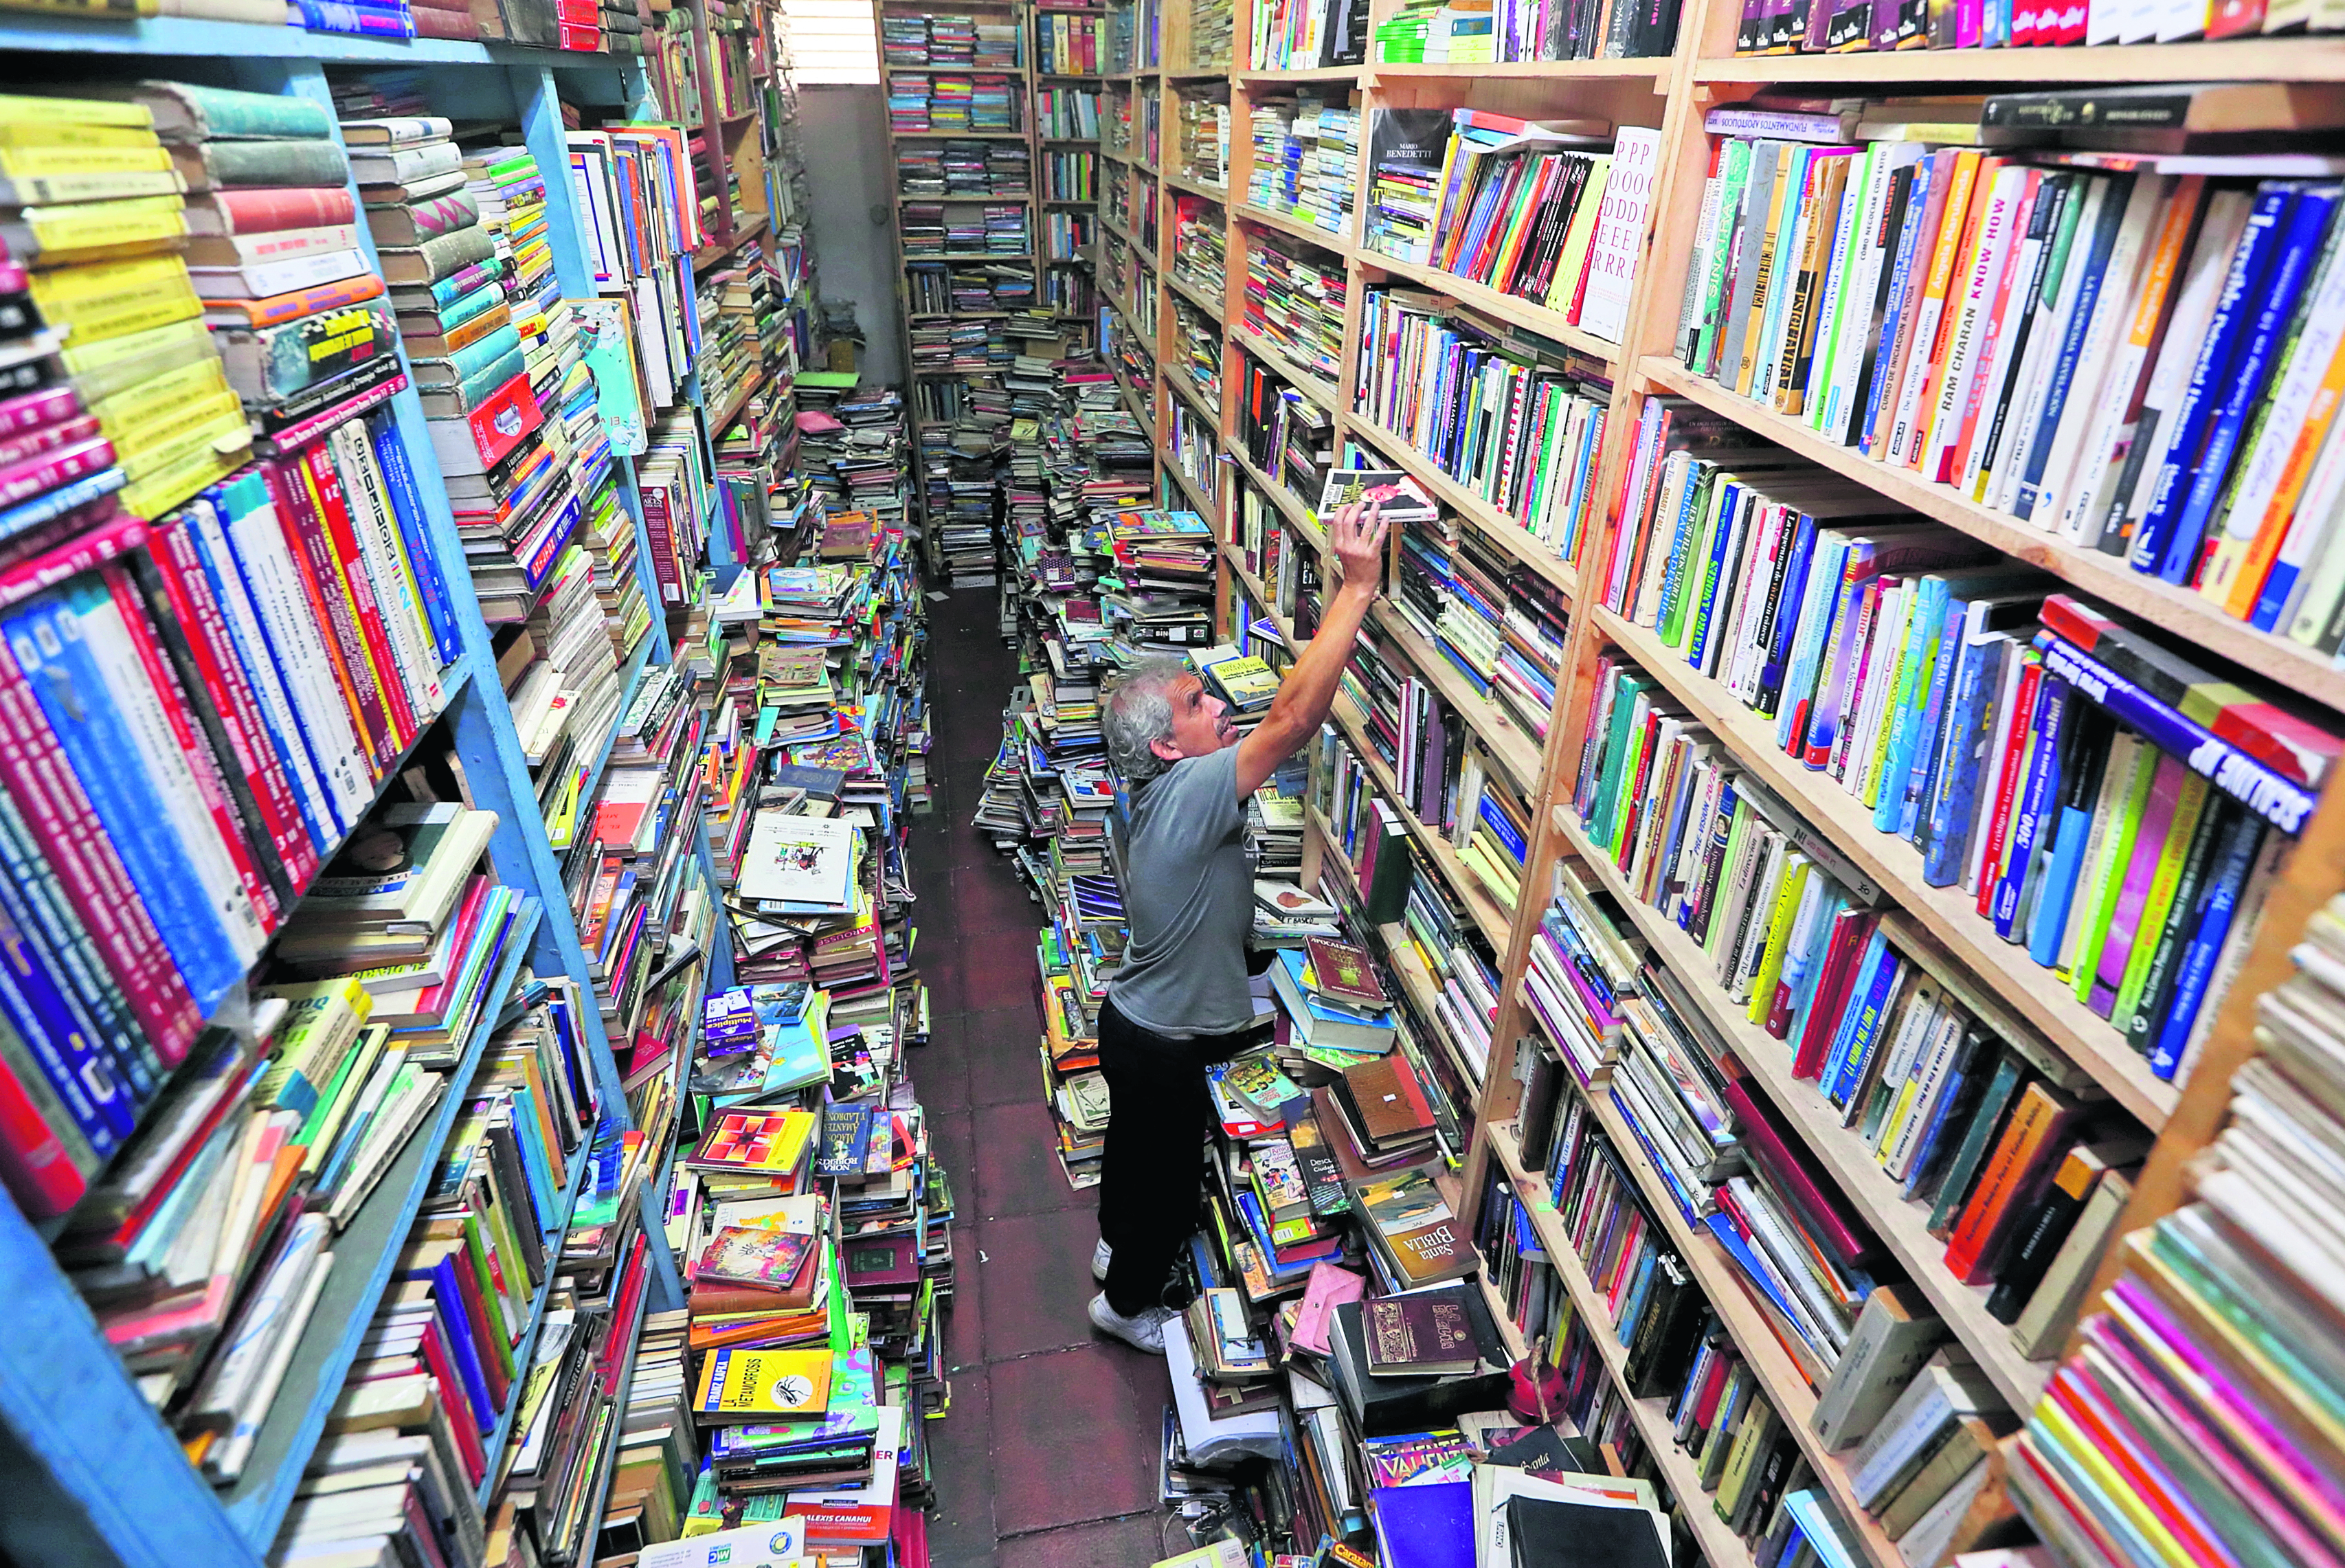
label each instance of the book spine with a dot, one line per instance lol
(312, 558)
(95, 879)
(44, 910)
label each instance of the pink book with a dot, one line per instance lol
(1329, 1288)
(1827, 1217)
(2148, 844)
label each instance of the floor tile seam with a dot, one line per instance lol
(1156, 1513)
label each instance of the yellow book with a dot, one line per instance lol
(1565, 289)
(143, 417)
(323, 1130)
(116, 297)
(19, 161)
(1778, 937)
(30, 108)
(59, 135)
(324, 1018)
(92, 230)
(38, 189)
(749, 1385)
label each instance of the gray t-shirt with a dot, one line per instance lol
(1188, 896)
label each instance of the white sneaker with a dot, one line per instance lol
(1102, 1256)
(1143, 1330)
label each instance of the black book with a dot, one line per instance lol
(1385, 1406)
(1550, 1533)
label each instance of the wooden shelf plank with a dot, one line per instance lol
(1318, 73)
(2299, 59)
(1901, 1225)
(1219, 194)
(1721, 1546)
(1310, 383)
(2180, 611)
(1500, 529)
(1195, 296)
(1948, 915)
(1655, 69)
(1309, 233)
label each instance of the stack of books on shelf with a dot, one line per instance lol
(1067, 114)
(1213, 31)
(1517, 205)
(1294, 302)
(425, 1429)
(1420, 368)
(1202, 141)
(1426, 32)
(1303, 155)
(1286, 435)
(1069, 43)
(1198, 339)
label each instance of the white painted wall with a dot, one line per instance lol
(849, 167)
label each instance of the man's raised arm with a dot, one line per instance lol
(1356, 536)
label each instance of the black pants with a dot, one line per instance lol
(1152, 1171)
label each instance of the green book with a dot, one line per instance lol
(1708, 501)
(1616, 828)
(2190, 807)
(2109, 877)
(1733, 173)
(1616, 745)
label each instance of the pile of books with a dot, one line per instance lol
(1294, 299)
(1283, 431)
(436, 1412)
(1547, 401)
(1308, 34)
(1303, 155)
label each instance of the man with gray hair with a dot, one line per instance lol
(1180, 1001)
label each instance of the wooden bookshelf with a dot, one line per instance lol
(1938, 928)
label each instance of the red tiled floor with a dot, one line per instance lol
(1040, 1267)
(1037, 1399)
(1003, 1047)
(962, 1528)
(1115, 1543)
(1075, 1436)
(1018, 1168)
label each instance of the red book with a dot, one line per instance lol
(45, 470)
(2012, 1181)
(188, 595)
(1850, 932)
(433, 23)
(82, 553)
(18, 448)
(61, 820)
(172, 698)
(463, 1422)
(325, 485)
(268, 209)
(33, 1165)
(1825, 1216)
(32, 410)
(2006, 790)
(313, 560)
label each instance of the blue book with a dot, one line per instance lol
(1930, 733)
(1633, 1306)
(1428, 1526)
(1840, 650)
(1821, 602)
(1917, 670)
(2234, 865)
(456, 1337)
(1905, 276)
(2299, 250)
(60, 940)
(415, 528)
(529, 1135)
(85, 1082)
(1496, 821)
(1726, 546)
(2051, 921)
(44, 633)
(1871, 1020)
(56, 503)
(1971, 1056)
(2071, 342)
(1953, 803)
(1875, 968)
(2039, 788)
(1787, 614)
(2218, 351)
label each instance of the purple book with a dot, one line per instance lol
(2149, 842)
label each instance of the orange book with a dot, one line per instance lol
(2238, 594)
(1903, 446)
(1941, 344)
(2022, 1161)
